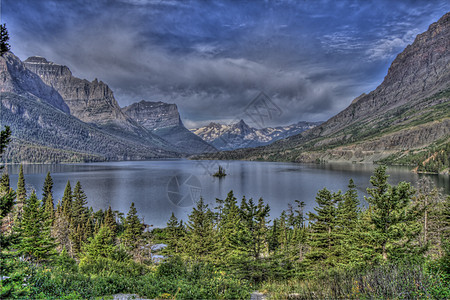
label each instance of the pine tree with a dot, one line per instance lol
(394, 223)
(35, 241)
(4, 38)
(79, 201)
(298, 245)
(110, 221)
(323, 222)
(21, 196)
(200, 238)
(79, 217)
(346, 222)
(61, 230)
(47, 189)
(7, 197)
(133, 229)
(101, 245)
(227, 231)
(174, 235)
(254, 219)
(66, 202)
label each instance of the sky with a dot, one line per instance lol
(212, 58)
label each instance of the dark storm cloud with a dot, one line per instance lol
(212, 58)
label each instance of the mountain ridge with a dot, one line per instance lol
(413, 99)
(241, 135)
(163, 119)
(43, 132)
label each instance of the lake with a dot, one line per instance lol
(159, 188)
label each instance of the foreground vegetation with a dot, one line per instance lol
(398, 247)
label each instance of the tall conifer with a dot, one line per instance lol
(35, 241)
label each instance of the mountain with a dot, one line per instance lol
(164, 120)
(240, 135)
(406, 116)
(17, 79)
(92, 102)
(44, 131)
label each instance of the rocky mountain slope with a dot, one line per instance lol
(43, 131)
(408, 112)
(92, 102)
(17, 79)
(240, 135)
(164, 120)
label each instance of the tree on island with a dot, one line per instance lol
(220, 173)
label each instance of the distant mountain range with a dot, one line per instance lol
(240, 135)
(57, 117)
(405, 120)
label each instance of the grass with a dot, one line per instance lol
(381, 282)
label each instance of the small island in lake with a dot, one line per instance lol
(221, 173)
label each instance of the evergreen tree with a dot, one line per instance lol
(298, 245)
(49, 209)
(394, 225)
(227, 231)
(254, 219)
(35, 241)
(7, 197)
(21, 195)
(200, 237)
(346, 222)
(5, 138)
(47, 198)
(61, 230)
(110, 221)
(4, 38)
(101, 245)
(174, 236)
(323, 222)
(47, 189)
(66, 202)
(79, 218)
(79, 201)
(133, 229)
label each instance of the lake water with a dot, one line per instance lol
(159, 188)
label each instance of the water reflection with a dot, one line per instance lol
(148, 184)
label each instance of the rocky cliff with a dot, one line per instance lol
(43, 131)
(413, 99)
(92, 102)
(16, 78)
(164, 120)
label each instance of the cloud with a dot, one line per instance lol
(387, 47)
(212, 58)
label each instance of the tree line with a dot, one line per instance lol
(238, 238)
(399, 224)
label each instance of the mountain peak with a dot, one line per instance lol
(16, 78)
(154, 115)
(37, 60)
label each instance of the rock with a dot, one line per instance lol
(93, 102)
(16, 78)
(164, 120)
